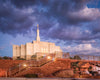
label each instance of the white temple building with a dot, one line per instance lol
(38, 48)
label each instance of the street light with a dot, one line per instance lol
(48, 57)
(25, 65)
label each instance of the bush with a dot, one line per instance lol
(77, 57)
(70, 58)
(33, 57)
(89, 69)
(0, 58)
(6, 57)
(31, 76)
(74, 64)
(18, 58)
(21, 59)
(40, 57)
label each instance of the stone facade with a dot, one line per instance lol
(36, 48)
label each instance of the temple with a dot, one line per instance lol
(37, 48)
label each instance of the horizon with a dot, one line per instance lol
(71, 24)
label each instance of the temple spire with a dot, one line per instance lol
(38, 37)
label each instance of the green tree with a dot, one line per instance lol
(18, 58)
(5, 57)
(70, 58)
(90, 68)
(0, 58)
(33, 57)
(77, 57)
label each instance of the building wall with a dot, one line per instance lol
(18, 51)
(36, 47)
(51, 47)
(47, 48)
(29, 50)
(44, 48)
(23, 51)
(14, 52)
(26, 51)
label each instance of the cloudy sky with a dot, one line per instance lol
(72, 24)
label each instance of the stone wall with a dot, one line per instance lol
(36, 47)
(29, 51)
(44, 48)
(16, 51)
(51, 48)
(26, 51)
(23, 51)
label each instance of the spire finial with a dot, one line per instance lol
(37, 25)
(38, 37)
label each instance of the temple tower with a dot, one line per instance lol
(38, 37)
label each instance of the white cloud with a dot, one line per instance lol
(87, 13)
(82, 49)
(87, 42)
(90, 12)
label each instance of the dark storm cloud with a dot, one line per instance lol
(13, 20)
(69, 33)
(57, 8)
(60, 18)
(61, 10)
(95, 26)
(23, 3)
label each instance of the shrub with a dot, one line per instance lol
(77, 57)
(6, 57)
(40, 57)
(70, 58)
(33, 57)
(74, 64)
(0, 58)
(89, 69)
(18, 58)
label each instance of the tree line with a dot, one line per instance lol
(5, 57)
